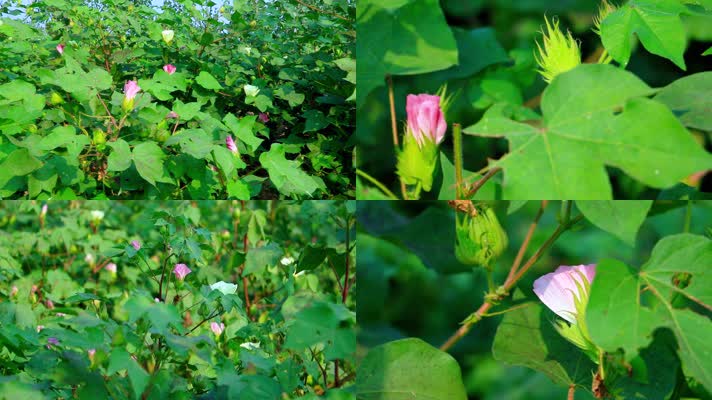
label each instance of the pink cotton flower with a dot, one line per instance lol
(136, 245)
(217, 328)
(425, 118)
(43, 212)
(169, 68)
(39, 328)
(111, 267)
(91, 353)
(13, 292)
(181, 271)
(230, 143)
(558, 290)
(264, 117)
(131, 89)
(52, 341)
(49, 304)
(60, 49)
(172, 115)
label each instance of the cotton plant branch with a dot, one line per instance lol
(514, 273)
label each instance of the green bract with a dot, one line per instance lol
(480, 239)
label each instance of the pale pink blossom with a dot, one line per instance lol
(136, 245)
(425, 118)
(111, 267)
(43, 212)
(264, 117)
(169, 68)
(52, 341)
(181, 271)
(230, 143)
(558, 289)
(172, 115)
(39, 328)
(13, 292)
(60, 49)
(131, 89)
(49, 304)
(217, 328)
(91, 353)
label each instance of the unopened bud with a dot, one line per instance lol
(480, 239)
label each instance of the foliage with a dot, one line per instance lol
(416, 302)
(91, 309)
(275, 75)
(629, 122)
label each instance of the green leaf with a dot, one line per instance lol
(527, 337)
(195, 142)
(286, 175)
(148, 158)
(121, 360)
(689, 99)
(655, 22)
(120, 157)
(564, 156)
(707, 52)
(17, 90)
(18, 163)
(207, 81)
(621, 218)
(260, 258)
(315, 121)
(238, 190)
(409, 369)
(311, 257)
(321, 323)
(243, 129)
(186, 112)
(677, 268)
(163, 84)
(400, 38)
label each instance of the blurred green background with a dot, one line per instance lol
(411, 284)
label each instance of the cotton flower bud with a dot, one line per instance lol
(559, 54)
(56, 99)
(425, 130)
(14, 291)
(479, 238)
(91, 353)
(131, 89)
(99, 139)
(217, 328)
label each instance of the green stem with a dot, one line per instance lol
(688, 217)
(457, 155)
(378, 184)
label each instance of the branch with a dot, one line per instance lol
(509, 283)
(394, 125)
(481, 182)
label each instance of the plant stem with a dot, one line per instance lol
(688, 217)
(572, 389)
(477, 185)
(525, 244)
(394, 126)
(376, 183)
(457, 155)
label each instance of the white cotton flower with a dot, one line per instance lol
(250, 90)
(89, 258)
(286, 260)
(168, 36)
(250, 345)
(224, 287)
(97, 215)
